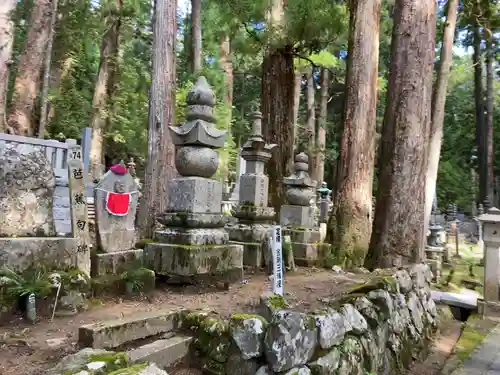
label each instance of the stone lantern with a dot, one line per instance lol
(324, 202)
(490, 222)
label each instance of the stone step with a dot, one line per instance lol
(114, 333)
(162, 352)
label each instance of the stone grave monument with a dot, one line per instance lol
(297, 217)
(193, 244)
(115, 197)
(252, 212)
(27, 230)
(490, 306)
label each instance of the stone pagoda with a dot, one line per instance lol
(192, 245)
(252, 212)
(297, 217)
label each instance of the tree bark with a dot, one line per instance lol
(161, 151)
(297, 86)
(7, 8)
(437, 111)
(350, 226)
(227, 67)
(322, 117)
(311, 122)
(398, 226)
(103, 88)
(30, 64)
(277, 100)
(196, 35)
(46, 74)
(481, 129)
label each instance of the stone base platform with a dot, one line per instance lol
(305, 246)
(23, 253)
(253, 254)
(113, 263)
(254, 238)
(196, 263)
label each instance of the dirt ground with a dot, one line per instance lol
(31, 349)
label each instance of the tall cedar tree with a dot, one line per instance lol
(399, 213)
(27, 82)
(161, 151)
(7, 8)
(350, 226)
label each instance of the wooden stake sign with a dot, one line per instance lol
(79, 215)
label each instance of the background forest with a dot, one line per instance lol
(89, 63)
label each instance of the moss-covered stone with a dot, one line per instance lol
(379, 282)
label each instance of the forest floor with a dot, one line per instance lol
(32, 349)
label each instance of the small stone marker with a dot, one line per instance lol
(116, 199)
(79, 213)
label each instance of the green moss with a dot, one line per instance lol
(277, 302)
(191, 320)
(469, 340)
(132, 370)
(380, 282)
(117, 359)
(242, 316)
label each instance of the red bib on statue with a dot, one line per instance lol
(118, 203)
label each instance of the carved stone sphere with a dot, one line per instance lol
(299, 196)
(196, 161)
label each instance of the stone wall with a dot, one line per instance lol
(377, 328)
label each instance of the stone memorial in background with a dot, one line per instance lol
(27, 230)
(116, 197)
(434, 249)
(324, 208)
(193, 245)
(252, 230)
(297, 217)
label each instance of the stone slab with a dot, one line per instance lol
(113, 263)
(297, 216)
(303, 236)
(254, 189)
(305, 254)
(114, 333)
(163, 353)
(455, 299)
(26, 252)
(252, 233)
(194, 195)
(199, 236)
(193, 220)
(197, 262)
(253, 254)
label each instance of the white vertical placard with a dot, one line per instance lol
(276, 242)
